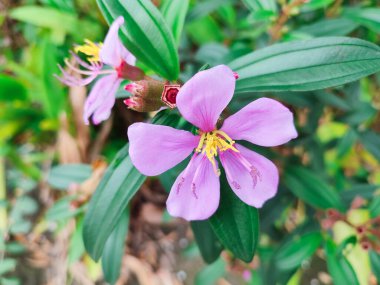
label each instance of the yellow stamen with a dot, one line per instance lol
(213, 142)
(90, 49)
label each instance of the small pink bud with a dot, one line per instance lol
(236, 75)
(133, 88)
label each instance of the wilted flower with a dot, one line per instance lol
(120, 65)
(196, 192)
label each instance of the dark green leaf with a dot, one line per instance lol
(307, 186)
(145, 33)
(208, 243)
(306, 65)
(236, 224)
(301, 248)
(204, 8)
(371, 142)
(118, 185)
(114, 249)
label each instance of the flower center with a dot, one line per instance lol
(91, 49)
(211, 143)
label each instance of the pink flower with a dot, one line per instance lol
(195, 193)
(113, 55)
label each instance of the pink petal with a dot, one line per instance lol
(264, 122)
(101, 98)
(155, 149)
(203, 98)
(196, 192)
(113, 52)
(252, 177)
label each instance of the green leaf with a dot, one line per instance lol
(371, 142)
(6, 265)
(145, 33)
(307, 186)
(261, 5)
(293, 253)
(236, 224)
(204, 8)
(76, 247)
(114, 249)
(329, 27)
(375, 263)
(174, 12)
(368, 17)
(339, 268)
(211, 273)
(208, 243)
(62, 176)
(11, 89)
(119, 184)
(204, 30)
(306, 65)
(51, 18)
(117, 187)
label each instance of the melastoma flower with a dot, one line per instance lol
(110, 60)
(196, 191)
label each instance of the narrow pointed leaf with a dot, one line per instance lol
(174, 12)
(117, 187)
(114, 249)
(306, 65)
(145, 33)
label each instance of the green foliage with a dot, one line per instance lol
(145, 34)
(306, 65)
(236, 224)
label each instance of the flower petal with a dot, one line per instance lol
(203, 98)
(264, 122)
(101, 98)
(155, 149)
(113, 52)
(196, 192)
(255, 185)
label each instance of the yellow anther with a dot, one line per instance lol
(213, 142)
(90, 49)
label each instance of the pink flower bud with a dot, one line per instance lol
(169, 95)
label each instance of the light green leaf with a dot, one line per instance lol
(62, 176)
(145, 33)
(368, 17)
(339, 268)
(174, 12)
(261, 5)
(211, 273)
(306, 65)
(299, 249)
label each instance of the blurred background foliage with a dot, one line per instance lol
(322, 228)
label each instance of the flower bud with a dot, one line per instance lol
(146, 95)
(169, 95)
